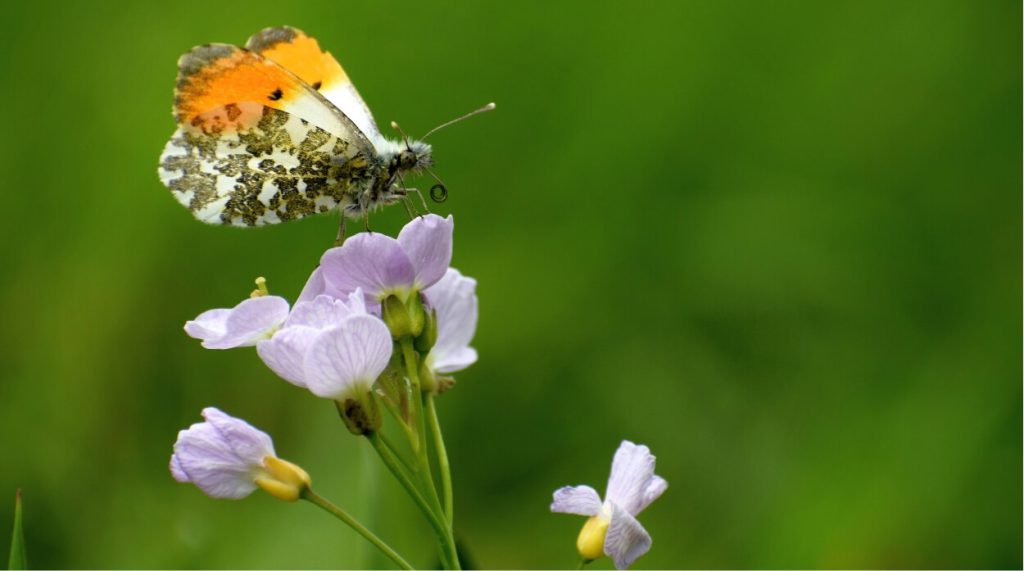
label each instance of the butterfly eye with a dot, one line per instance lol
(438, 193)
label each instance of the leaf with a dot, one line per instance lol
(17, 559)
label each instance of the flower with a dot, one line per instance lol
(381, 265)
(228, 458)
(241, 326)
(329, 346)
(453, 298)
(612, 529)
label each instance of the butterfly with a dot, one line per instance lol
(276, 131)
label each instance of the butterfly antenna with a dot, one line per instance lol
(487, 107)
(438, 192)
(394, 125)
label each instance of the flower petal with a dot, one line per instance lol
(320, 313)
(655, 487)
(285, 352)
(454, 300)
(315, 286)
(352, 354)
(250, 444)
(579, 500)
(210, 324)
(371, 261)
(240, 326)
(627, 540)
(632, 471)
(427, 241)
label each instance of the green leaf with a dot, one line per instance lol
(17, 560)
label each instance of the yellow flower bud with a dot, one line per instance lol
(283, 480)
(590, 543)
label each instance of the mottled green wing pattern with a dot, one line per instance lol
(247, 164)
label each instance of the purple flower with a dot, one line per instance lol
(454, 300)
(228, 458)
(612, 529)
(243, 325)
(329, 346)
(383, 266)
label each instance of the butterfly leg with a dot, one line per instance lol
(422, 200)
(408, 207)
(340, 239)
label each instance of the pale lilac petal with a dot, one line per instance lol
(285, 352)
(632, 471)
(320, 313)
(177, 471)
(627, 540)
(655, 487)
(454, 300)
(210, 324)
(315, 286)
(427, 241)
(579, 500)
(250, 444)
(221, 456)
(351, 355)
(454, 361)
(241, 326)
(371, 261)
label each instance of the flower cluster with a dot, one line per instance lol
(337, 339)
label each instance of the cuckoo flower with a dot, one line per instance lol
(454, 302)
(228, 458)
(612, 529)
(243, 325)
(336, 349)
(383, 266)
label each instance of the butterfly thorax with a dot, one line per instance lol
(394, 160)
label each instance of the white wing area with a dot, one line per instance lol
(344, 96)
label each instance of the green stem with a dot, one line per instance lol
(394, 452)
(581, 564)
(409, 355)
(440, 530)
(339, 513)
(442, 458)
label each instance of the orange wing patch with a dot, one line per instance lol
(295, 51)
(217, 75)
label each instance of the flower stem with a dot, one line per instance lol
(581, 564)
(409, 470)
(439, 527)
(442, 458)
(341, 514)
(411, 359)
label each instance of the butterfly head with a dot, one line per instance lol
(416, 156)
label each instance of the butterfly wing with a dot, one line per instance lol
(255, 144)
(295, 51)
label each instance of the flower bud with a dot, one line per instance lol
(417, 314)
(359, 412)
(590, 543)
(396, 317)
(284, 480)
(426, 340)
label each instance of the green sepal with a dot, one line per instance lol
(396, 317)
(394, 389)
(359, 412)
(425, 341)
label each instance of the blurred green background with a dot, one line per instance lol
(780, 243)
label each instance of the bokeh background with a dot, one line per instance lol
(780, 243)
